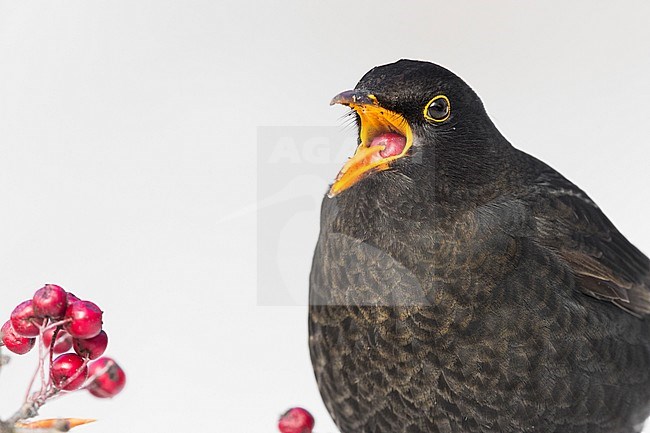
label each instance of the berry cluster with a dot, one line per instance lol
(61, 322)
(296, 420)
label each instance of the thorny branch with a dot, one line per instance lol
(33, 402)
(28, 410)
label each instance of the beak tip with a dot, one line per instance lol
(345, 98)
(356, 97)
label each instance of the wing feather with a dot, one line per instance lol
(607, 266)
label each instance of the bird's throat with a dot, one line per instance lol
(392, 143)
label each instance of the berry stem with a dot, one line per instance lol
(42, 354)
(98, 373)
(55, 334)
(56, 324)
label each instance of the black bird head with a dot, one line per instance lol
(420, 124)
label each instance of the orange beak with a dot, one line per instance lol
(375, 121)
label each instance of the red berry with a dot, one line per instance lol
(296, 420)
(64, 368)
(84, 319)
(14, 342)
(50, 301)
(71, 298)
(25, 321)
(91, 348)
(63, 340)
(109, 383)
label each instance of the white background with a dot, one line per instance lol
(128, 135)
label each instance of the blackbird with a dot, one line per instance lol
(461, 285)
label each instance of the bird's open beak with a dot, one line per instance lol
(384, 137)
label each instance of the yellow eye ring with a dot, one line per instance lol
(438, 109)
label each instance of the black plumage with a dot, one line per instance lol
(465, 286)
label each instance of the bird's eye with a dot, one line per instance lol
(438, 109)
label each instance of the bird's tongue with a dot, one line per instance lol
(394, 144)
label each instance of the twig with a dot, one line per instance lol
(4, 359)
(5, 427)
